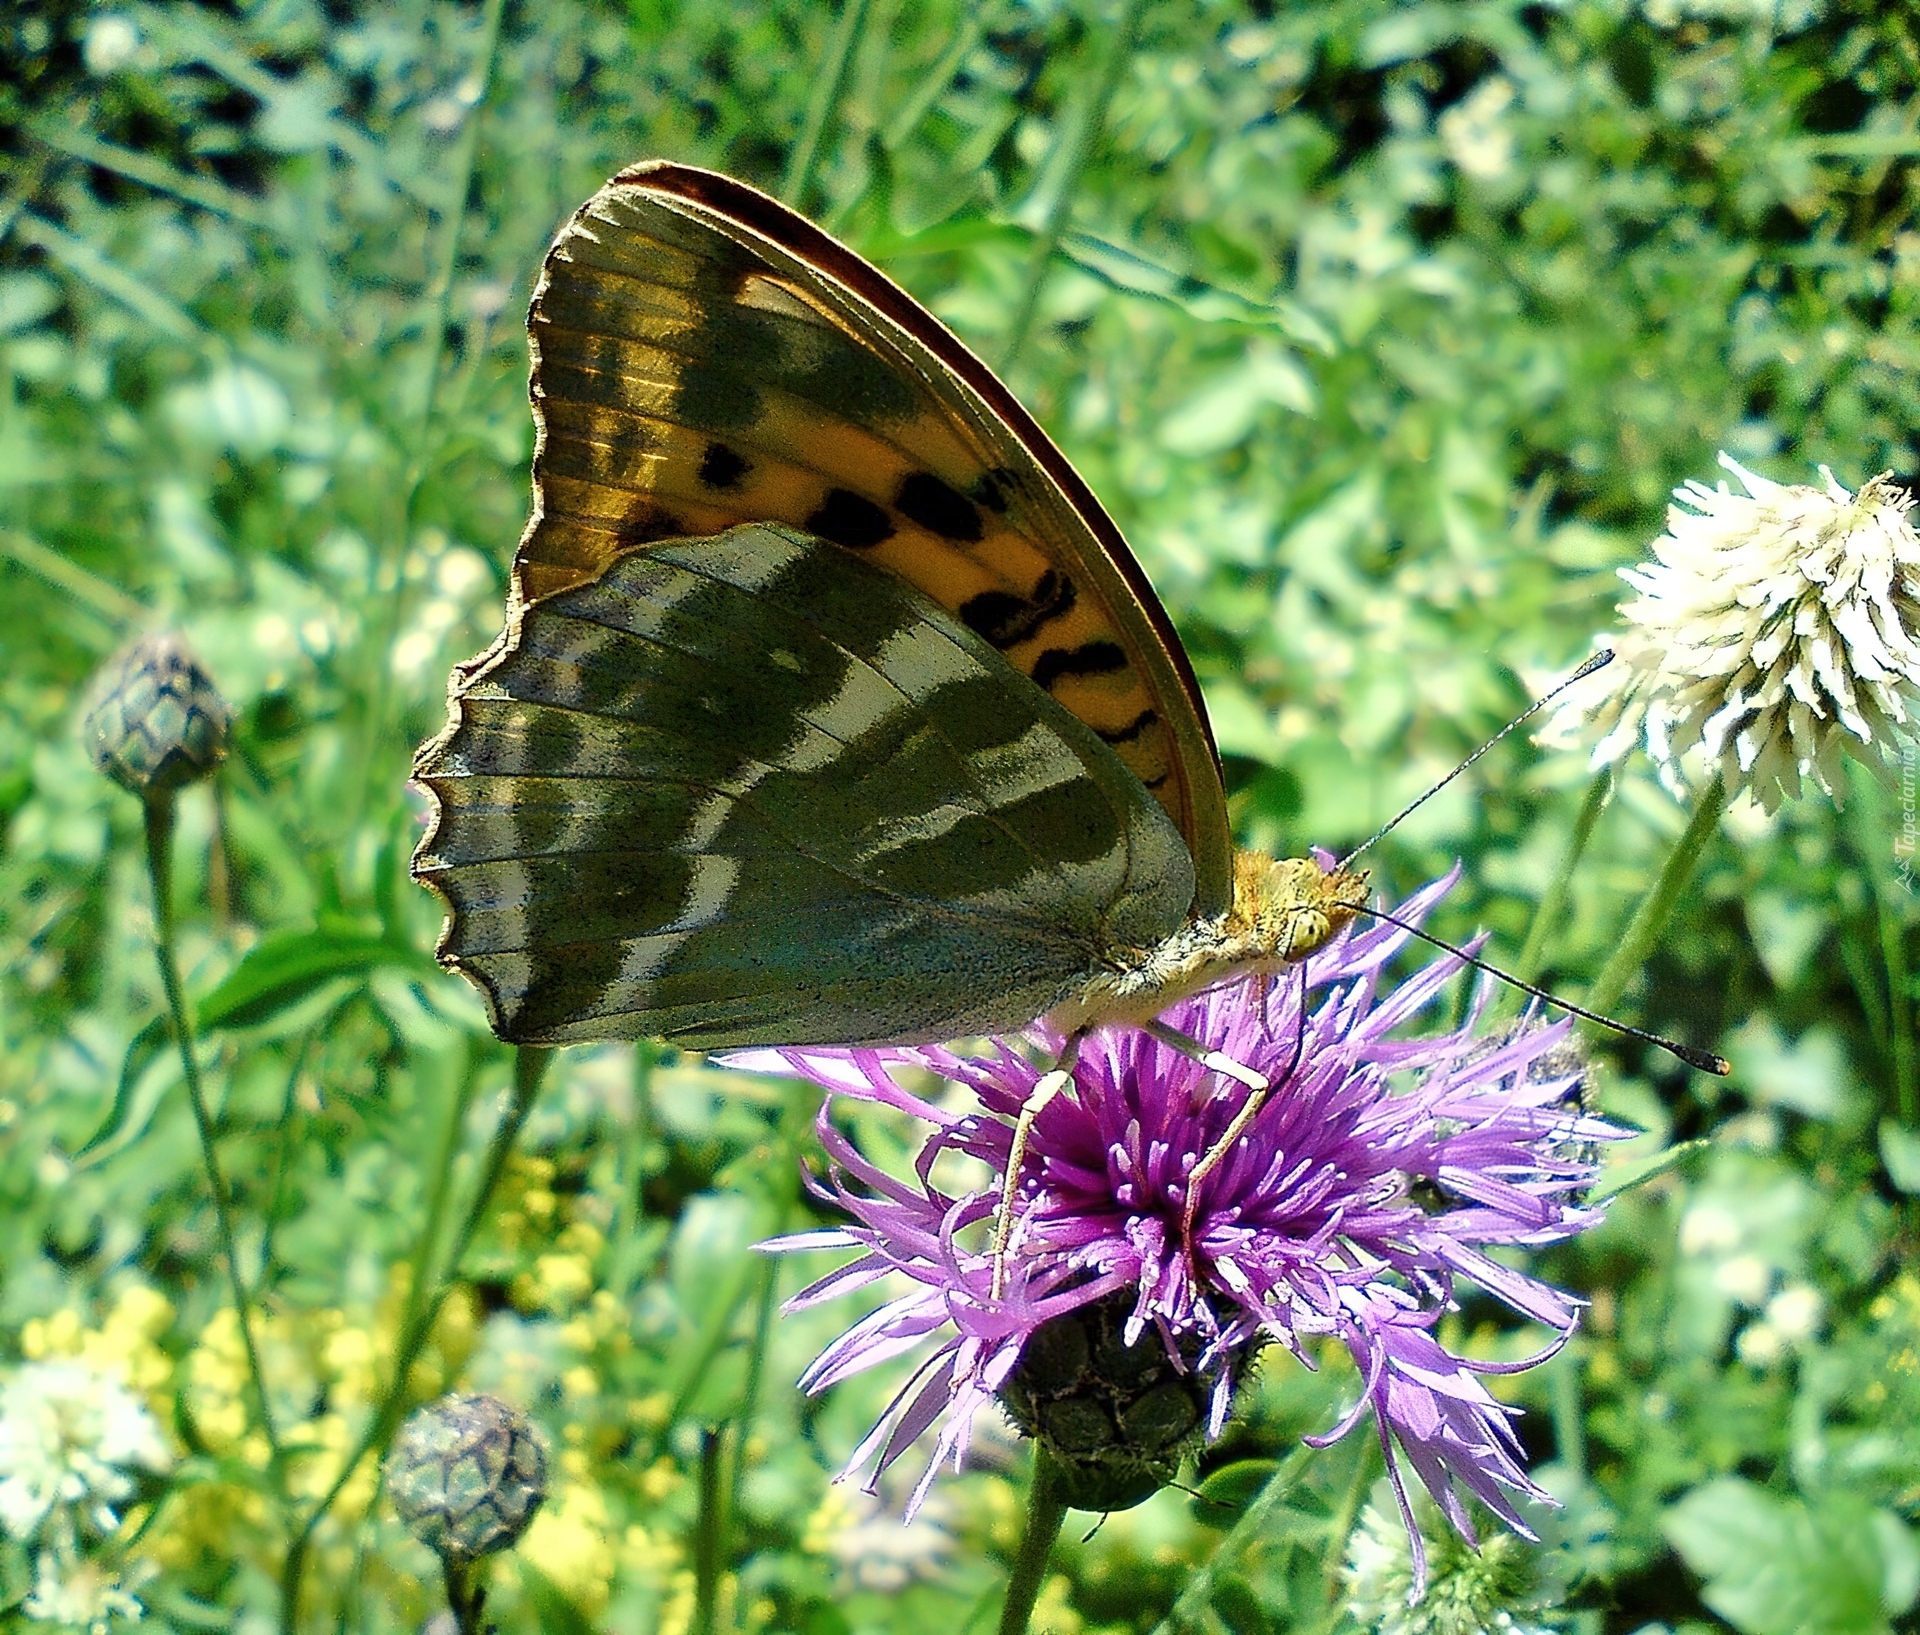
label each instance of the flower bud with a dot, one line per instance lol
(1437, 1583)
(467, 1473)
(157, 722)
(1115, 1419)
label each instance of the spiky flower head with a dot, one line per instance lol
(1776, 629)
(467, 1473)
(1380, 1173)
(156, 722)
(1502, 1587)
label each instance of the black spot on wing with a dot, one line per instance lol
(990, 490)
(1005, 620)
(1088, 659)
(721, 467)
(646, 522)
(925, 499)
(849, 519)
(1132, 729)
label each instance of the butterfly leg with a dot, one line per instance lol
(1213, 1061)
(1050, 1085)
(1257, 1095)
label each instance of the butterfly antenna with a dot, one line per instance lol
(1705, 1060)
(1601, 658)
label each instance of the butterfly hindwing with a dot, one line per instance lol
(704, 357)
(753, 789)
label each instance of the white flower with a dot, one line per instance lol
(111, 44)
(84, 1593)
(1777, 628)
(68, 1436)
(1475, 131)
(1498, 1588)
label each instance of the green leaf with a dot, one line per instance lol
(1239, 1608)
(141, 1054)
(1900, 1152)
(275, 974)
(556, 1614)
(1783, 1566)
(1232, 1488)
(1617, 1178)
(286, 966)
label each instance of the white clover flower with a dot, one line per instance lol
(84, 1594)
(68, 1437)
(1777, 628)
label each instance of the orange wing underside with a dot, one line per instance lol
(690, 373)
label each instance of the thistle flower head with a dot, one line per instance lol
(1372, 1184)
(1776, 629)
(155, 721)
(467, 1474)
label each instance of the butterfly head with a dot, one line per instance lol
(1286, 908)
(1283, 910)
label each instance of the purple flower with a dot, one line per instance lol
(1380, 1170)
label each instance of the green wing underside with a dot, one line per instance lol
(748, 789)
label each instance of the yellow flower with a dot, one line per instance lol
(352, 1362)
(569, 1542)
(676, 1612)
(206, 1521)
(1053, 1612)
(661, 1480)
(649, 1558)
(557, 1283)
(55, 1336)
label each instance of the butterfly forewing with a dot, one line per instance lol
(705, 357)
(753, 789)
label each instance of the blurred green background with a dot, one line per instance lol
(1383, 330)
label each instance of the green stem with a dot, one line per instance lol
(420, 1267)
(1569, 1418)
(466, 1593)
(159, 819)
(282, 1160)
(443, 263)
(1045, 1512)
(901, 127)
(1340, 1523)
(1906, 1075)
(1254, 1522)
(1553, 905)
(1650, 920)
(530, 1065)
(750, 1391)
(707, 1541)
(1877, 844)
(826, 92)
(1066, 180)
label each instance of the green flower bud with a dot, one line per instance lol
(156, 722)
(467, 1473)
(1114, 1419)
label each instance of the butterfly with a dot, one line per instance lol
(831, 706)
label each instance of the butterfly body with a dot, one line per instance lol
(831, 707)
